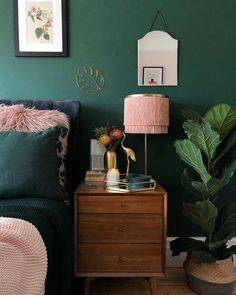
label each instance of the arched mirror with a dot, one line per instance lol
(157, 59)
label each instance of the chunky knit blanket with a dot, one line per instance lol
(23, 258)
(54, 221)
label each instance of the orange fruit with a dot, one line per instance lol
(104, 139)
(116, 134)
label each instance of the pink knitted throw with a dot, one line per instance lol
(23, 258)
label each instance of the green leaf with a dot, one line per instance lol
(190, 114)
(199, 249)
(191, 155)
(202, 213)
(38, 17)
(228, 172)
(186, 181)
(32, 17)
(222, 118)
(46, 36)
(204, 255)
(184, 244)
(39, 32)
(227, 147)
(203, 136)
(220, 252)
(98, 131)
(218, 248)
(229, 251)
(208, 190)
(225, 227)
(200, 190)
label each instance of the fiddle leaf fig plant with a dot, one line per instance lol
(209, 154)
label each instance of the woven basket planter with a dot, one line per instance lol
(216, 278)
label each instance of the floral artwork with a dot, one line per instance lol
(40, 27)
(39, 22)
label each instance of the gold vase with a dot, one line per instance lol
(110, 160)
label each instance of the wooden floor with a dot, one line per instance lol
(173, 284)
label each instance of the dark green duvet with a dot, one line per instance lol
(53, 219)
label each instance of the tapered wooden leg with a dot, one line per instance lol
(153, 285)
(87, 282)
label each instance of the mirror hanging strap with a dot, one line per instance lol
(163, 19)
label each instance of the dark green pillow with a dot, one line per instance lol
(29, 166)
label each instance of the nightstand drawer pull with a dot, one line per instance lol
(120, 228)
(120, 259)
(121, 205)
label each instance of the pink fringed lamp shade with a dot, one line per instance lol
(146, 113)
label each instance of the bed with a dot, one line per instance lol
(51, 216)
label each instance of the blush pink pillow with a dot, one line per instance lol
(19, 118)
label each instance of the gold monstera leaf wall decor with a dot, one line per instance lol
(89, 80)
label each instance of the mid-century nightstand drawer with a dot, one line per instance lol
(120, 204)
(105, 258)
(117, 228)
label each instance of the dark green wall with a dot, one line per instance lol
(103, 34)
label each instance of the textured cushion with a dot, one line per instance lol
(19, 118)
(72, 109)
(29, 164)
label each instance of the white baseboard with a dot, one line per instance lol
(177, 261)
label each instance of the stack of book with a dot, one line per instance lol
(94, 176)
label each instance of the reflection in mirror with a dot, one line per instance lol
(157, 59)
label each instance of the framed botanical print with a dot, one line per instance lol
(40, 27)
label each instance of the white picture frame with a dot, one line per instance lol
(40, 27)
(152, 76)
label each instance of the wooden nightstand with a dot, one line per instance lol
(120, 234)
